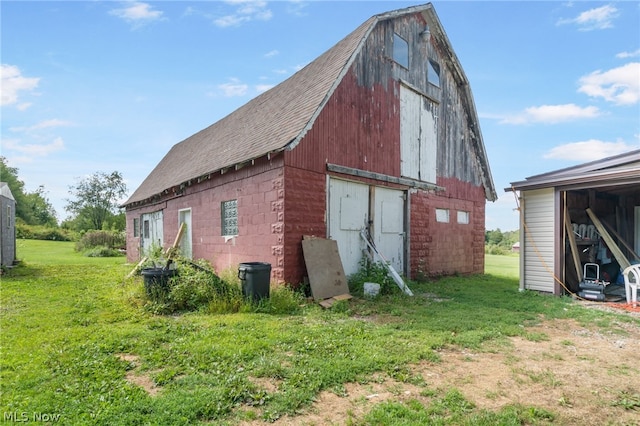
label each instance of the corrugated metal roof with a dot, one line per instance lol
(623, 168)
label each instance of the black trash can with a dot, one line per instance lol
(256, 280)
(156, 281)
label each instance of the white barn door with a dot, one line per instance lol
(348, 215)
(388, 225)
(418, 136)
(152, 231)
(351, 206)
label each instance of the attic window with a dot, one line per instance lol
(229, 212)
(400, 50)
(433, 73)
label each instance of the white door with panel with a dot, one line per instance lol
(351, 206)
(152, 231)
(388, 225)
(348, 215)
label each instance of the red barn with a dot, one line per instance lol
(379, 132)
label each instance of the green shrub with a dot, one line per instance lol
(39, 232)
(111, 239)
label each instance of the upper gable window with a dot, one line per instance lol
(433, 73)
(400, 50)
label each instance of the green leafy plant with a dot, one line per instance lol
(374, 272)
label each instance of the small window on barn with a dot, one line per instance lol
(442, 215)
(8, 216)
(433, 73)
(463, 217)
(145, 229)
(229, 211)
(136, 227)
(400, 51)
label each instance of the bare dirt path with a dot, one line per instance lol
(584, 375)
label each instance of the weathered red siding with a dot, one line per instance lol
(359, 127)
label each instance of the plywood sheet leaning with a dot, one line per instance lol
(324, 267)
(615, 250)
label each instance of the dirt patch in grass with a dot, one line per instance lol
(136, 378)
(584, 375)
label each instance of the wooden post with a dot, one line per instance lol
(572, 244)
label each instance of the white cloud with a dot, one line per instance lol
(233, 88)
(552, 114)
(618, 85)
(589, 150)
(137, 13)
(12, 82)
(625, 55)
(598, 18)
(34, 150)
(271, 54)
(246, 11)
(46, 124)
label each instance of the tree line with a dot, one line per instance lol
(93, 205)
(498, 242)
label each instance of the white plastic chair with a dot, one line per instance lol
(631, 283)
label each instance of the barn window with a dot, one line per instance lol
(442, 215)
(136, 227)
(463, 217)
(400, 51)
(433, 73)
(8, 216)
(145, 229)
(229, 211)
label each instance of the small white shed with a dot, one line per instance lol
(554, 204)
(7, 226)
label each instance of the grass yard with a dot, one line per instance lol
(503, 266)
(79, 347)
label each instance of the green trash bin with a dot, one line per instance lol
(256, 280)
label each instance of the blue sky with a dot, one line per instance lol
(110, 86)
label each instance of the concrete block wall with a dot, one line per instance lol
(305, 215)
(445, 248)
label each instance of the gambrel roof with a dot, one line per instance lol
(278, 119)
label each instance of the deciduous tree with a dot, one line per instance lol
(96, 199)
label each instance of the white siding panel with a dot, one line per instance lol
(538, 250)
